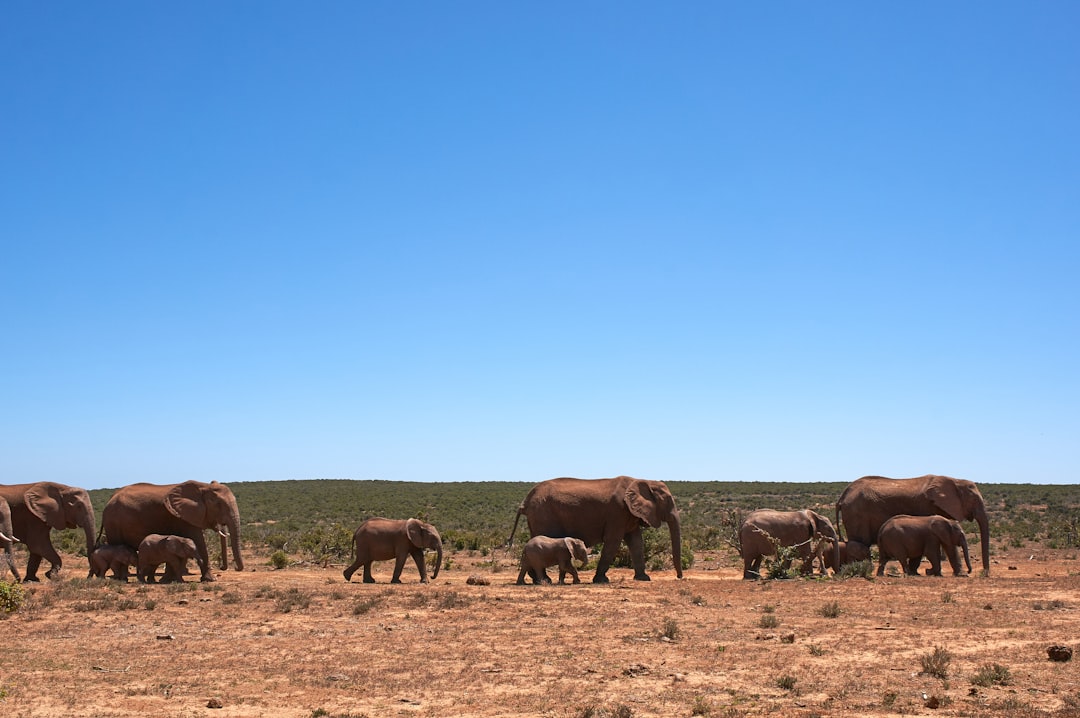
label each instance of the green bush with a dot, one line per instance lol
(279, 559)
(12, 597)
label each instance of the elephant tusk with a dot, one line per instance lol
(4, 537)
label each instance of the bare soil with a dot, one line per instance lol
(301, 642)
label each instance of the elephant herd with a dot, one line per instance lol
(145, 525)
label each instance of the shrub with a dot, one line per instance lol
(12, 597)
(769, 620)
(671, 629)
(701, 707)
(786, 682)
(292, 598)
(992, 674)
(857, 569)
(830, 610)
(936, 664)
(279, 559)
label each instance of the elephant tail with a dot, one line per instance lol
(839, 534)
(510, 541)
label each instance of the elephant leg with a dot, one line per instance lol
(521, 574)
(544, 578)
(421, 566)
(399, 564)
(202, 556)
(569, 569)
(883, 558)
(368, 578)
(636, 544)
(611, 546)
(911, 566)
(32, 564)
(11, 565)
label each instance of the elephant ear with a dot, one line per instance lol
(944, 494)
(640, 501)
(46, 503)
(185, 502)
(415, 530)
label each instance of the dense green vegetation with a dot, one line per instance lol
(315, 519)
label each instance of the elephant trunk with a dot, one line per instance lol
(233, 527)
(984, 536)
(88, 528)
(438, 559)
(676, 543)
(964, 545)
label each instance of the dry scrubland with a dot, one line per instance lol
(301, 642)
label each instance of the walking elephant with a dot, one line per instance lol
(116, 557)
(380, 539)
(136, 511)
(7, 537)
(603, 510)
(38, 508)
(543, 551)
(908, 539)
(765, 529)
(869, 502)
(173, 551)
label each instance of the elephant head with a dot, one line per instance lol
(951, 535)
(960, 500)
(847, 552)
(651, 502)
(62, 507)
(209, 506)
(423, 535)
(824, 535)
(181, 546)
(578, 550)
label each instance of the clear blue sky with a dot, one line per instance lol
(494, 241)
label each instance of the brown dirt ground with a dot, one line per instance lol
(98, 648)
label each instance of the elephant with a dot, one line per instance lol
(608, 510)
(846, 552)
(379, 539)
(869, 502)
(7, 537)
(112, 556)
(765, 529)
(908, 538)
(543, 551)
(138, 510)
(38, 508)
(173, 551)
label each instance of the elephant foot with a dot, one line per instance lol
(642, 577)
(600, 578)
(393, 580)
(368, 579)
(206, 578)
(347, 575)
(32, 579)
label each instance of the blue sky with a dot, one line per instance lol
(487, 241)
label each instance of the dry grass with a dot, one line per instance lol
(300, 642)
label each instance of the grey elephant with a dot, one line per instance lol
(136, 511)
(867, 503)
(808, 532)
(7, 537)
(543, 551)
(847, 552)
(379, 539)
(908, 539)
(603, 510)
(173, 551)
(37, 509)
(114, 557)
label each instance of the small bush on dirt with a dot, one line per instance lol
(452, 599)
(769, 620)
(816, 650)
(992, 674)
(830, 610)
(857, 569)
(701, 707)
(12, 597)
(363, 605)
(619, 711)
(671, 629)
(947, 597)
(279, 559)
(936, 664)
(786, 682)
(292, 598)
(230, 597)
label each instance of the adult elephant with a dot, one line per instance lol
(136, 511)
(608, 510)
(379, 539)
(869, 502)
(7, 537)
(908, 539)
(807, 532)
(38, 508)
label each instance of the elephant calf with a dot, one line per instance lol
(807, 532)
(908, 539)
(849, 552)
(173, 551)
(380, 539)
(543, 551)
(116, 557)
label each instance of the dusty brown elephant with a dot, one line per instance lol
(7, 537)
(380, 539)
(869, 502)
(116, 557)
(847, 552)
(173, 551)
(603, 510)
(763, 530)
(908, 539)
(38, 508)
(136, 511)
(543, 551)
